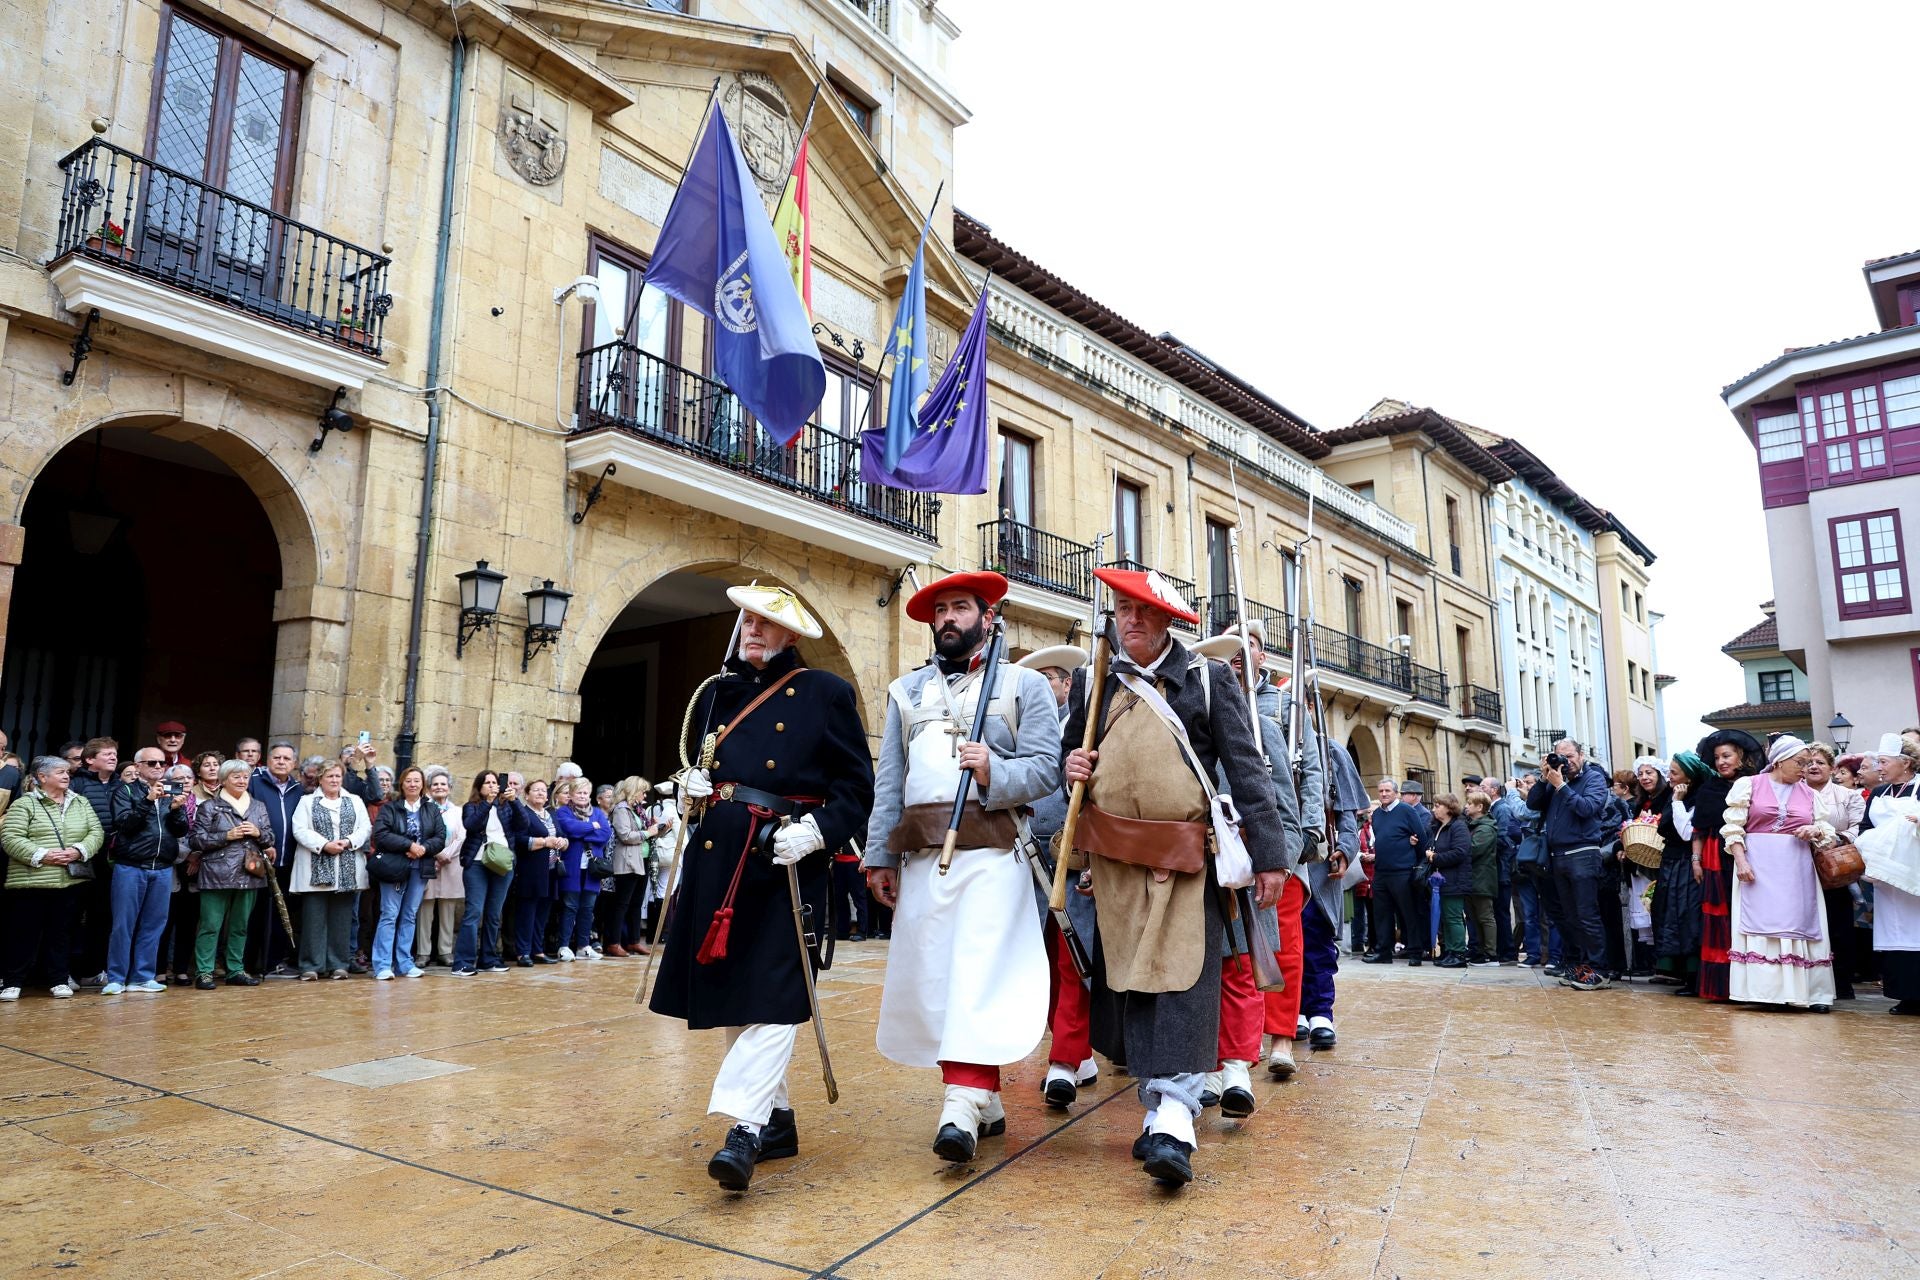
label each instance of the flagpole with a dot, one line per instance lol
(888, 350)
(806, 123)
(633, 309)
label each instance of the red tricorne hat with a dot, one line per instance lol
(985, 584)
(1148, 587)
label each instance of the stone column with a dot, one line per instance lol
(13, 544)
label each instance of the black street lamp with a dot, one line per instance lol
(1840, 729)
(546, 614)
(479, 602)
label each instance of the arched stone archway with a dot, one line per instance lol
(1364, 747)
(651, 652)
(204, 551)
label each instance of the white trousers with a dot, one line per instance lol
(753, 1076)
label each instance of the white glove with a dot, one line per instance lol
(696, 784)
(795, 841)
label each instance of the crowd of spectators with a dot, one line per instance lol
(1595, 876)
(184, 869)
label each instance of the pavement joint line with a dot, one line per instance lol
(426, 1168)
(829, 1271)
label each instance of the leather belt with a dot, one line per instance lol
(741, 793)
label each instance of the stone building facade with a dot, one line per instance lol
(232, 230)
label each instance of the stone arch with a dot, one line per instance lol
(1364, 746)
(299, 705)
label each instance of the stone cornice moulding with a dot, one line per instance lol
(197, 322)
(524, 45)
(693, 482)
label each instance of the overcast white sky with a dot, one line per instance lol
(1568, 224)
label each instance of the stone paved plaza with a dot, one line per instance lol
(1483, 1124)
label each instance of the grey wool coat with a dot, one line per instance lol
(1026, 765)
(1178, 1032)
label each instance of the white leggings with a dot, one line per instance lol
(753, 1076)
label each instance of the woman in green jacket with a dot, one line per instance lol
(46, 834)
(1484, 833)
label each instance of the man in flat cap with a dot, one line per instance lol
(783, 778)
(1169, 722)
(966, 986)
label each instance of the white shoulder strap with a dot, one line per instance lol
(1145, 691)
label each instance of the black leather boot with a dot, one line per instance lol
(780, 1136)
(1166, 1160)
(732, 1165)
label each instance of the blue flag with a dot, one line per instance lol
(950, 450)
(717, 254)
(907, 344)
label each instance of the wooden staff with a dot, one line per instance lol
(1095, 688)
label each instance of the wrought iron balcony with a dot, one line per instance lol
(1224, 610)
(1427, 683)
(1037, 558)
(1357, 657)
(136, 216)
(638, 392)
(1479, 704)
(1181, 586)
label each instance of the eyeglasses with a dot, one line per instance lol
(171, 734)
(150, 764)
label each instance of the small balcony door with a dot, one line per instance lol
(221, 131)
(635, 381)
(1128, 499)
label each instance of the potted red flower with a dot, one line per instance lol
(110, 241)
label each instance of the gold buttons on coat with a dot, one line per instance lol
(780, 726)
(789, 693)
(709, 844)
(769, 764)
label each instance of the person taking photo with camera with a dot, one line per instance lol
(150, 821)
(1571, 799)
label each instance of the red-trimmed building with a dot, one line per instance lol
(1836, 429)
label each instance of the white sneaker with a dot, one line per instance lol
(589, 952)
(566, 953)
(63, 992)
(112, 989)
(416, 972)
(385, 975)
(149, 986)
(9, 993)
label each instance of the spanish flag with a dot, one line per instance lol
(793, 226)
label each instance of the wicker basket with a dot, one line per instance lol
(1643, 844)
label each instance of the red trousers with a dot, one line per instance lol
(971, 1074)
(1069, 1011)
(1241, 1011)
(1283, 1007)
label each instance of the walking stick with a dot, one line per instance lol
(806, 974)
(1096, 687)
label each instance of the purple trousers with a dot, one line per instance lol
(1321, 956)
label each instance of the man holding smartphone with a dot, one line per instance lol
(150, 820)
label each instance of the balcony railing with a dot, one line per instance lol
(1223, 611)
(1351, 654)
(1184, 589)
(1427, 684)
(1479, 704)
(144, 218)
(622, 386)
(1037, 558)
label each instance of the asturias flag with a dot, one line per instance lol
(793, 227)
(950, 451)
(907, 344)
(718, 254)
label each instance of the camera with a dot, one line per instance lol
(174, 788)
(1556, 761)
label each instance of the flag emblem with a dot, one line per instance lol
(733, 297)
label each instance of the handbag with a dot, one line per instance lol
(496, 857)
(389, 868)
(1531, 861)
(251, 863)
(1839, 866)
(79, 868)
(1423, 873)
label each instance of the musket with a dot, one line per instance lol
(989, 682)
(806, 975)
(1043, 876)
(1266, 965)
(1097, 640)
(690, 810)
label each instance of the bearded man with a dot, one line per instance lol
(966, 985)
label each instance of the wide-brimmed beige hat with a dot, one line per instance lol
(1255, 628)
(778, 606)
(1221, 648)
(1064, 656)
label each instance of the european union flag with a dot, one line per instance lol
(950, 451)
(907, 344)
(717, 254)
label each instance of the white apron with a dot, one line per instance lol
(1896, 915)
(967, 967)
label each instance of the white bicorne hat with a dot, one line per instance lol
(778, 606)
(1064, 656)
